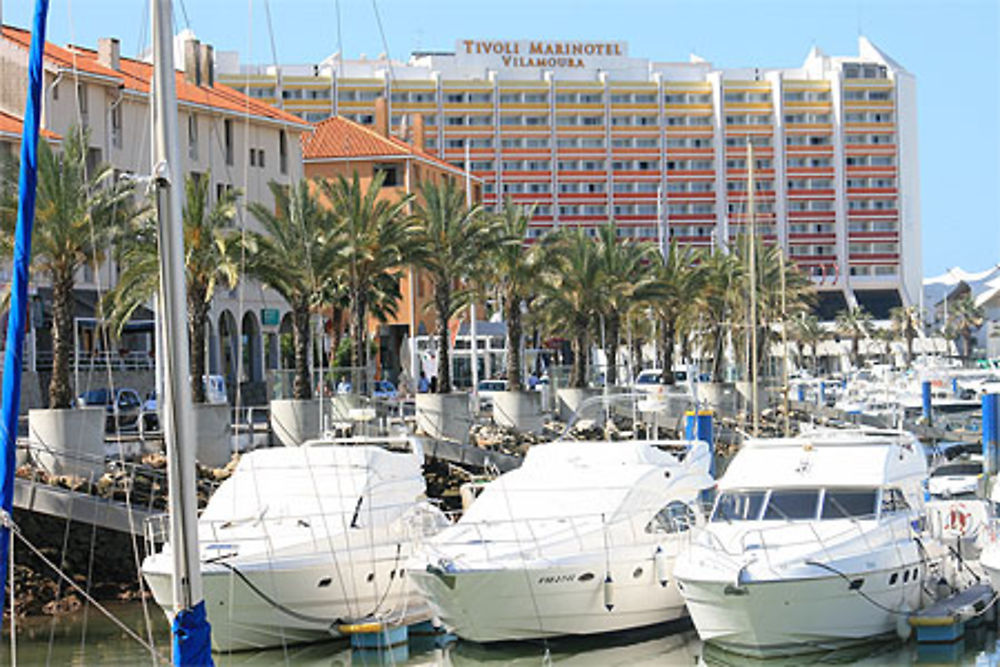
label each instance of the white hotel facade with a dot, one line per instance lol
(587, 134)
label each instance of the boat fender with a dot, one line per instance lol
(662, 566)
(609, 592)
(903, 628)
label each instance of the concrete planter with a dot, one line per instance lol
(720, 397)
(568, 400)
(68, 442)
(341, 406)
(293, 421)
(214, 435)
(745, 390)
(444, 416)
(520, 410)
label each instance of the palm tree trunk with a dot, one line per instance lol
(442, 303)
(196, 331)
(60, 393)
(719, 343)
(612, 328)
(301, 388)
(514, 330)
(669, 333)
(578, 375)
(636, 353)
(359, 353)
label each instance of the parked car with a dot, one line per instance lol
(384, 389)
(486, 389)
(123, 407)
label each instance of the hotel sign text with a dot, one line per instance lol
(512, 54)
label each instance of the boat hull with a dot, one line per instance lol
(282, 603)
(802, 615)
(509, 604)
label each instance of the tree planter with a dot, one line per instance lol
(444, 416)
(293, 421)
(568, 400)
(520, 410)
(69, 441)
(214, 434)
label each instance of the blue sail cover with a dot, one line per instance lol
(192, 637)
(18, 317)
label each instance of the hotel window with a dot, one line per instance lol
(813, 162)
(621, 98)
(885, 270)
(737, 120)
(759, 97)
(646, 186)
(794, 118)
(399, 97)
(536, 98)
(592, 142)
(567, 142)
(882, 160)
(674, 120)
(677, 186)
(645, 209)
(674, 98)
(699, 120)
(346, 95)
(536, 120)
(854, 95)
(705, 98)
(621, 165)
(595, 209)
(621, 120)
(569, 165)
(854, 117)
(591, 98)
(645, 120)
(510, 98)
(539, 188)
(512, 143)
(569, 210)
(881, 117)
(513, 165)
(592, 165)
(645, 99)
(677, 143)
(319, 94)
(423, 98)
(454, 98)
(513, 188)
(647, 142)
(591, 120)
(647, 165)
(702, 186)
(480, 98)
(796, 96)
(543, 209)
(736, 164)
(538, 165)
(703, 209)
(624, 187)
(735, 97)
(481, 165)
(760, 119)
(454, 143)
(565, 98)
(856, 160)
(511, 120)
(880, 139)
(454, 120)
(369, 95)
(879, 95)
(479, 120)
(566, 120)
(481, 142)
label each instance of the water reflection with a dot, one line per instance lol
(90, 639)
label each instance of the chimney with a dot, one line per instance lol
(417, 138)
(206, 65)
(108, 52)
(191, 53)
(382, 116)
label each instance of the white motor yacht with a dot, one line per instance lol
(811, 543)
(302, 539)
(579, 540)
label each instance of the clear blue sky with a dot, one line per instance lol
(950, 45)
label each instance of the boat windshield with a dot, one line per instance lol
(795, 504)
(963, 468)
(738, 506)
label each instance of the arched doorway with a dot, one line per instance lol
(250, 349)
(228, 342)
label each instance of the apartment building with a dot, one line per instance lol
(338, 147)
(588, 133)
(236, 141)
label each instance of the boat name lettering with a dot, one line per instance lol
(557, 579)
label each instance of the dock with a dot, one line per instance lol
(945, 620)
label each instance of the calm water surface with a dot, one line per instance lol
(61, 642)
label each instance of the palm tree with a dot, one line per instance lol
(297, 255)
(721, 292)
(76, 213)
(806, 329)
(569, 293)
(376, 239)
(627, 277)
(211, 258)
(965, 319)
(451, 242)
(514, 269)
(680, 282)
(855, 323)
(905, 323)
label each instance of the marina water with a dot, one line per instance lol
(87, 638)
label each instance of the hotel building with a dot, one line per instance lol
(588, 133)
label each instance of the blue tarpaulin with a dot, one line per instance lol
(192, 637)
(17, 320)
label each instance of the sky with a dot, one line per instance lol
(951, 46)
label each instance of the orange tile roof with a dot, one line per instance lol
(339, 138)
(136, 75)
(11, 124)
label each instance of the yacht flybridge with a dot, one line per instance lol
(812, 543)
(302, 539)
(579, 540)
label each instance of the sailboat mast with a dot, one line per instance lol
(178, 430)
(753, 289)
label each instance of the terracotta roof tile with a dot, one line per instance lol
(14, 125)
(136, 75)
(340, 138)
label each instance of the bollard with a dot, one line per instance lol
(991, 427)
(801, 392)
(925, 393)
(821, 396)
(698, 426)
(954, 386)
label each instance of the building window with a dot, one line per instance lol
(192, 127)
(116, 125)
(227, 140)
(253, 157)
(391, 174)
(283, 152)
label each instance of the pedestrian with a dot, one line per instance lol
(422, 385)
(434, 384)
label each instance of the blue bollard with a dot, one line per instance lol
(698, 426)
(821, 397)
(991, 431)
(925, 394)
(954, 386)
(801, 392)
